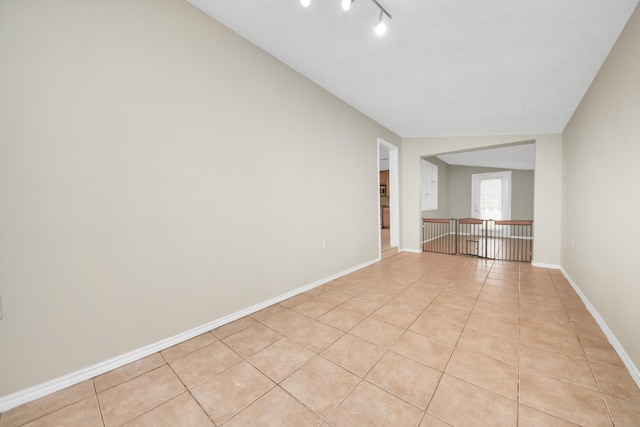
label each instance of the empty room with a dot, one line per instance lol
(146, 279)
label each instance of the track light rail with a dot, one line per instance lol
(380, 26)
(382, 9)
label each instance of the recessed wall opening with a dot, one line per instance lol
(484, 203)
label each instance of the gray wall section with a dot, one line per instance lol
(443, 190)
(460, 191)
(454, 191)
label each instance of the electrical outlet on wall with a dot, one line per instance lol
(0, 307)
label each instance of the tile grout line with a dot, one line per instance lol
(95, 391)
(279, 383)
(519, 343)
(29, 421)
(138, 376)
(587, 358)
(242, 359)
(563, 379)
(188, 390)
(459, 336)
(361, 378)
(522, 272)
(388, 350)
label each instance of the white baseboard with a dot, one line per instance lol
(633, 369)
(414, 251)
(437, 237)
(57, 384)
(545, 265)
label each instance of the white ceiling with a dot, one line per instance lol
(521, 157)
(445, 67)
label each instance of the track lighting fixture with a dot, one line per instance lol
(380, 26)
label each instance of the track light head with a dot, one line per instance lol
(305, 3)
(381, 27)
(346, 5)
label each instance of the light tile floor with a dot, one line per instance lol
(415, 340)
(385, 244)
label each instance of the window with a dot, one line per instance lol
(429, 188)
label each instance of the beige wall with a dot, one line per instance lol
(460, 191)
(600, 192)
(547, 193)
(158, 172)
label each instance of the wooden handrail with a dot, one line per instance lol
(515, 222)
(436, 221)
(470, 221)
(479, 221)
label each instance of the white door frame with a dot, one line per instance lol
(394, 194)
(506, 192)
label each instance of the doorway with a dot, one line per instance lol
(491, 195)
(388, 160)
